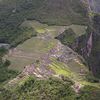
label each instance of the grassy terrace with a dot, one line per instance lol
(36, 47)
(32, 49)
(63, 69)
(42, 28)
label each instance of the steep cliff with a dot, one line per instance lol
(91, 48)
(88, 44)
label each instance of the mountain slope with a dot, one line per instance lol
(48, 69)
(93, 31)
(44, 56)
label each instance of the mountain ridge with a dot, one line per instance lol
(38, 66)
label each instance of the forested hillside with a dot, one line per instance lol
(49, 50)
(14, 12)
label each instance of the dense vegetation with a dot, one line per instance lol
(34, 89)
(50, 89)
(16, 36)
(89, 93)
(94, 59)
(5, 73)
(14, 12)
(68, 37)
(50, 11)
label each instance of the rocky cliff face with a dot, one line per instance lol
(94, 58)
(89, 44)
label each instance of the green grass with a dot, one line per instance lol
(72, 73)
(54, 29)
(32, 50)
(18, 63)
(78, 29)
(63, 69)
(77, 66)
(97, 85)
(60, 70)
(35, 45)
